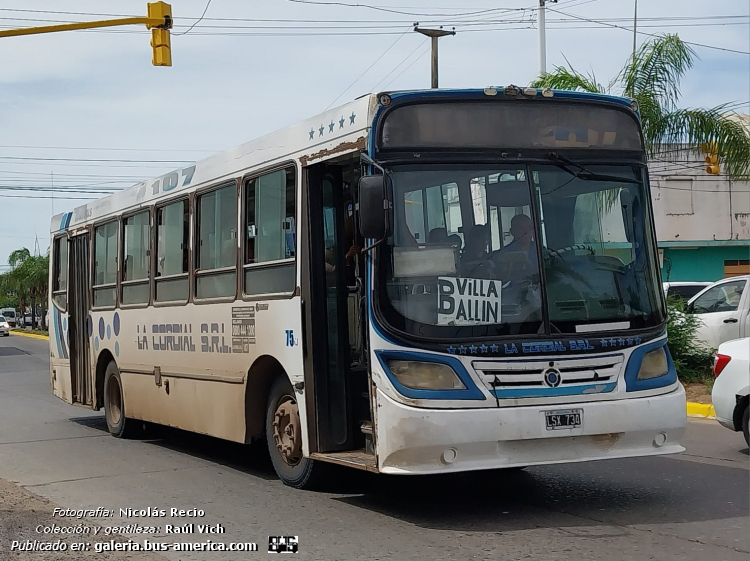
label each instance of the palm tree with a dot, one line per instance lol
(28, 279)
(652, 78)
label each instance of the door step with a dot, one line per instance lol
(358, 459)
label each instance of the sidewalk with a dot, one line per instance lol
(21, 512)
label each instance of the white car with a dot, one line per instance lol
(731, 392)
(724, 311)
(4, 327)
(683, 289)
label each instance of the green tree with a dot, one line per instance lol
(28, 280)
(652, 78)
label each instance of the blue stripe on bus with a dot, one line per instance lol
(588, 389)
(56, 317)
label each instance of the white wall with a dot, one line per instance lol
(691, 205)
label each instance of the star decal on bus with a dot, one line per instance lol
(321, 129)
(451, 350)
(351, 118)
(341, 122)
(330, 126)
(312, 134)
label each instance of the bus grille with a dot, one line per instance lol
(541, 378)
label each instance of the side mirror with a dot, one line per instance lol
(375, 206)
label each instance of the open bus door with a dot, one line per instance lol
(79, 295)
(328, 308)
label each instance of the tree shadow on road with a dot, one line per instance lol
(638, 491)
(252, 459)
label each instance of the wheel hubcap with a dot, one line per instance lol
(286, 431)
(114, 411)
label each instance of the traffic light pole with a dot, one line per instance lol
(434, 34)
(152, 22)
(159, 21)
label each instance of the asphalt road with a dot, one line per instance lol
(689, 507)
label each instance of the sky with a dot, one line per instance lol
(86, 113)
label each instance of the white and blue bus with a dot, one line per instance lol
(414, 283)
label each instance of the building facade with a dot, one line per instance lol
(702, 220)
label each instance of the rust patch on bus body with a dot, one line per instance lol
(358, 144)
(606, 441)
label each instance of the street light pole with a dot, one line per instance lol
(542, 35)
(635, 26)
(434, 35)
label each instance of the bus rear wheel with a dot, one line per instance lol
(114, 404)
(284, 437)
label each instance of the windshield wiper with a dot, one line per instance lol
(586, 174)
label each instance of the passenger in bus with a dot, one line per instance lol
(477, 241)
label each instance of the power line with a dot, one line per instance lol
(649, 34)
(419, 46)
(95, 160)
(394, 11)
(197, 22)
(368, 68)
(46, 197)
(91, 148)
(427, 50)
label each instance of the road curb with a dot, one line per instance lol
(705, 410)
(32, 335)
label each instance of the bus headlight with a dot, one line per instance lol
(425, 375)
(654, 364)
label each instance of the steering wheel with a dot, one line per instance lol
(578, 247)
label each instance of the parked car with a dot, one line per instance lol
(10, 316)
(731, 392)
(4, 327)
(685, 290)
(724, 310)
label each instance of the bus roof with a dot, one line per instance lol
(338, 130)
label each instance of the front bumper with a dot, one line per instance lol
(421, 441)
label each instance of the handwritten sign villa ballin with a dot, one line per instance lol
(468, 301)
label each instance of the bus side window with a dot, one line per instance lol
(60, 278)
(217, 243)
(172, 252)
(135, 265)
(270, 233)
(105, 265)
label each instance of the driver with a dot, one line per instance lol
(522, 230)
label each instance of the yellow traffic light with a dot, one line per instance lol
(162, 47)
(712, 157)
(160, 37)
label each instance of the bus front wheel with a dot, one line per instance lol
(114, 404)
(284, 437)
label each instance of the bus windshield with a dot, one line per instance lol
(480, 252)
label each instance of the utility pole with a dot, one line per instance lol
(635, 26)
(542, 34)
(434, 34)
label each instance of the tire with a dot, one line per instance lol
(296, 471)
(114, 405)
(746, 425)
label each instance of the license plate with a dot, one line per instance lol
(568, 419)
